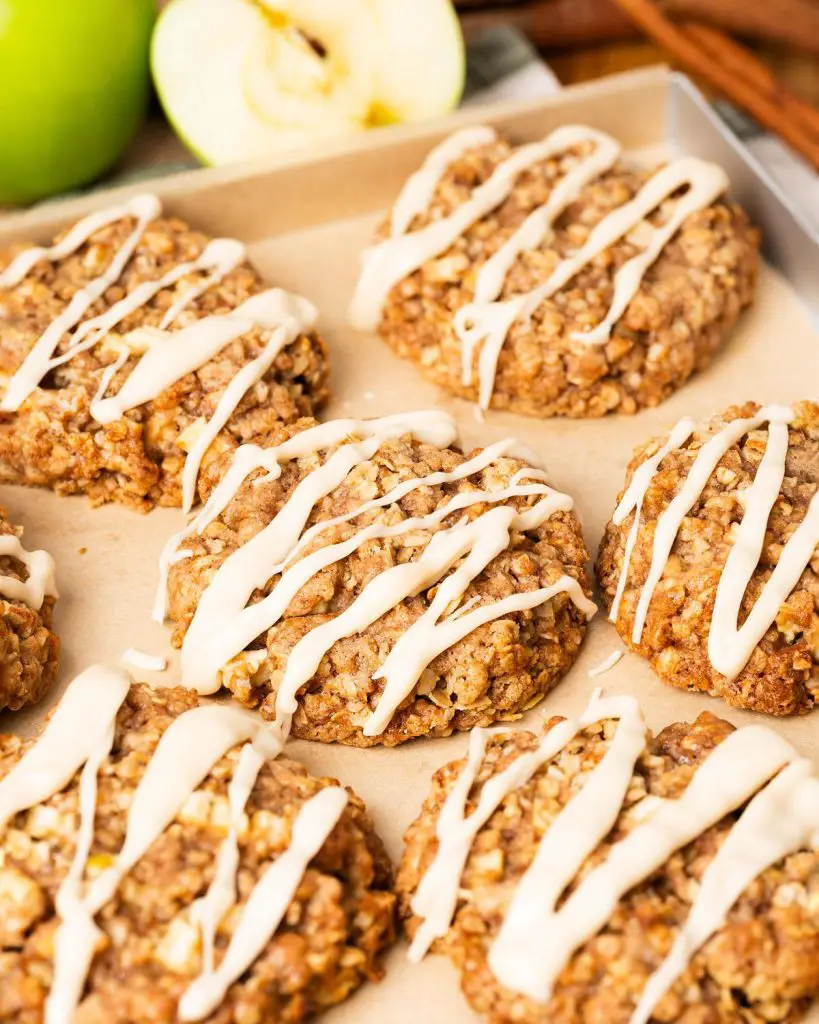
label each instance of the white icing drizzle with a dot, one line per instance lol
(26, 260)
(433, 427)
(221, 255)
(294, 316)
(37, 363)
(536, 229)
(212, 908)
(71, 736)
(573, 836)
(73, 946)
(488, 323)
(632, 501)
(249, 458)
(605, 665)
(417, 193)
(731, 774)
(171, 354)
(729, 645)
(669, 522)
(387, 263)
(536, 940)
(267, 903)
(224, 624)
(40, 568)
(142, 660)
(507, 447)
(180, 352)
(108, 375)
(169, 556)
(184, 756)
(782, 818)
(437, 894)
(80, 734)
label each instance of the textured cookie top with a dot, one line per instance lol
(596, 873)
(133, 345)
(551, 279)
(709, 564)
(28, 591)
(131, 888)
(393, 584)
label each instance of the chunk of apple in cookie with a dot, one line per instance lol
(242, 79)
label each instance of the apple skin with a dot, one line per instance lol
(74, 85)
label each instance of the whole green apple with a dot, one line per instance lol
(74, 83)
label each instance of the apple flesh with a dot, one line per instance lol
(74, 84)
(424, 37)
(242, 79)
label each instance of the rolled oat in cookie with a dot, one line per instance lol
(709, 563)
(157, 866)
(597, 873)
(366, 581)
(135, 350)
(554, 280)
(29, 649)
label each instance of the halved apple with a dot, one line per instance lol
(247, 78)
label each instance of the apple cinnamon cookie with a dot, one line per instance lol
(709, 564)
(552, 280)
(598, 873)
(155, 867)
(29, 649)
(134, 350)
(368, 582)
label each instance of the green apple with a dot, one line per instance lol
(241, 79)
(74, 83)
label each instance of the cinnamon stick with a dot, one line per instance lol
(792, 22)
(765, 105)
(743, 63)
(559, 23)
(556, 23)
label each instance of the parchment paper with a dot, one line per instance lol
(106, 558)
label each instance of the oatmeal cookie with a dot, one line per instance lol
(572, 950)
(718, 586)
(395, 585)
(147, 952)
(454, 301)
(75, 298)
(29, 649)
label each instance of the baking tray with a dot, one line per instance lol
(306, 220)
